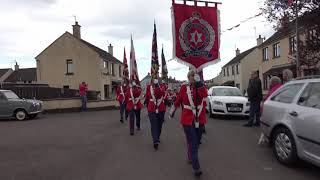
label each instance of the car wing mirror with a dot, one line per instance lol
(301, 100)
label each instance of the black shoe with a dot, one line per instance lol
(189, 162)
(131, 134)
(197, 173)
(121, 120)
(155, 146)
(247, 125)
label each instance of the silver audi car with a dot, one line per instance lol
(291, 121)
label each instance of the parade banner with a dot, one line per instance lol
(164, 69)
(196, 34)
(125, 72)
(154, 58)
(134, 76)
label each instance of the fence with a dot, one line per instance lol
(43, 91)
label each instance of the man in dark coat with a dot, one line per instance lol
(255, 97)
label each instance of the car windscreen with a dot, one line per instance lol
(10, 95)
(226, 92)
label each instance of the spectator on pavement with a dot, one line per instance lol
(83, 88)
(255, 98)
(275, 83)
(287, 75)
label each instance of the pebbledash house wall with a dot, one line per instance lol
(248, 64)
(88, 66)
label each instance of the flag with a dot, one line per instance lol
(154, 58)
(125, 72)
(164, 69)
(196, 35)
(133, 65)
(290, 2)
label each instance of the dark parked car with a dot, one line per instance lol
(13, 106)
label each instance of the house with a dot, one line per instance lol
(279, 51)
(22, 76)
(70, 60)
(277, 55)
(237, 71)
(4, 74)
(145, 82)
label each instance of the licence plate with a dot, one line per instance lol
(234, 109)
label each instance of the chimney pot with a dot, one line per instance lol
(76, 30)
(237, 51)
(259, 40)
(110, 49)
(16, 67)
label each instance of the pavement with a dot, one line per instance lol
(96, 146)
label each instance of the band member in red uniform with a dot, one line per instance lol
(121, 90)
(155, 97)
(133, 106)
(192, 96)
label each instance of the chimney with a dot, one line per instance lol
(237, 51)
(285, 21)
(77, 30)
(16, 67)
(259, 40)
(110, 49)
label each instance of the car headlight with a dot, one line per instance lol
(218, 103)
(248, 104)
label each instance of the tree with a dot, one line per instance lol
(282, 15)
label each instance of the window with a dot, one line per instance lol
(120, 72)
(237, 68)
(276, 50)
(232, 71)
(70, 67)
(224, 72)
(106, 92)
(265, 54)
(65, 87)
(292, 45)
(311, 96)
(227, 71)
(287, 94)
(112, 69)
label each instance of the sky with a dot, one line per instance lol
(27, 27)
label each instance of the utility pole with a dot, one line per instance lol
(297, 39)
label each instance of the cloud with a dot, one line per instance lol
(30, 26)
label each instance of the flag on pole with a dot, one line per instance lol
(134, 76)
(125, 72)
(164, 69)
(154, 58)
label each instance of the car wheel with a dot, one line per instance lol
(210, 111)
(20, 115)
(32, 116)
(284, 147)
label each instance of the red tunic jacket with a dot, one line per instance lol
(158, 94)
(136, 91)
(121, 95)
(188, 116)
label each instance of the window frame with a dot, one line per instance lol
(265, 54)
(237, 69)
(276, 50)
(70, 62)
(228, 72)
(292, 44)
(232, 70)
